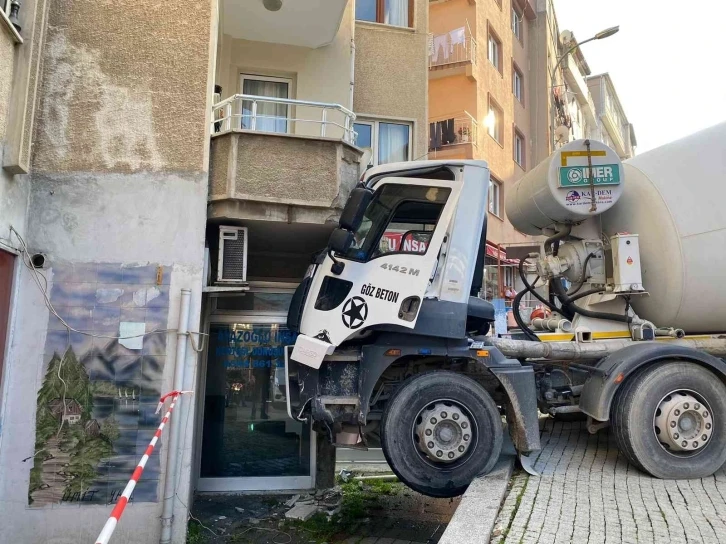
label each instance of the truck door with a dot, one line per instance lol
(389, 264)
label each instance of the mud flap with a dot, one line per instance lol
(527, 461)
(522, 415)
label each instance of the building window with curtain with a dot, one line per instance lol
(517, 23)
(494, 51)
(519, 148)
(387, 12)
(494, 121)
(266, 116)
(388, 141)
(495, 196)
(517, 83)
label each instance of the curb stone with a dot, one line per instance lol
(474, 519)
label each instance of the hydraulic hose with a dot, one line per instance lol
(530, 288)
(567, 303)
(529, 333)
(564, 233)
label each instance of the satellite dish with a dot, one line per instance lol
(366, 160)
(562, 134)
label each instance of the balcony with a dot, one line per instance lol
(453, 137)
(452, 53)
(276, 159)
(305, 23)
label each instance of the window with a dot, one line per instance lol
(387, 141)
(494, 121)
(517, 84)
(495, 190)
(399, 219)
(519, 148)
(387, 12)
(516, 23)
(268, 116)
(494, 51)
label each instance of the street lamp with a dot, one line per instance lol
(599, 36)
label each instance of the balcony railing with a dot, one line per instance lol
(451, 48)
(454, 130)
(283, 116)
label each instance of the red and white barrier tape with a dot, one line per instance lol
(123, 500)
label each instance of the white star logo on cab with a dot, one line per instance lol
(355, 312)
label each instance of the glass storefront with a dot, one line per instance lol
(247, 436)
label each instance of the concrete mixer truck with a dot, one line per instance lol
(394, 343)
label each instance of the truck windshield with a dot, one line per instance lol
(399, 219)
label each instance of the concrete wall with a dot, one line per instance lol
(307, 172)
(391, 74)
(7, 63)
(118, 194)
(318, 75)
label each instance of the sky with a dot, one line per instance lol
(666, 62)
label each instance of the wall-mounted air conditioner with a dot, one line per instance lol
(232, 266)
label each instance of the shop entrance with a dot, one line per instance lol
(248, 440)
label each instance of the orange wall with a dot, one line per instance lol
(450, 95)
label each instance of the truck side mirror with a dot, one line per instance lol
(340, 240)
(354, 209)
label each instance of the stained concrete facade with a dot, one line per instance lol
(115, 98)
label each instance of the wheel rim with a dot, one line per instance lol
(444, 432)
(683, 423)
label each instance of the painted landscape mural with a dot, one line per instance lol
(95, 407)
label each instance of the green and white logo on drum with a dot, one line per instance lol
(574, 175)
(579, 176)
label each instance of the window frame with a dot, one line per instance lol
(494, 37)
(518, 73)
(492, 105)
(375, 127)
(517, 24)
(519, 135)
(274, 79)
(380, 15)
(494, 181)
(370, 254)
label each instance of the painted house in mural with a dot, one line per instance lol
(119, 166)
(68, 410)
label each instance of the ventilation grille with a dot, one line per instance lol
(232, 255)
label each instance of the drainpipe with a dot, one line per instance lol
(352, 73)
(173, 458)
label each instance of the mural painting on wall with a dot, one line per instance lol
(95, 407)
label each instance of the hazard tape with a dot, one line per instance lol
(123, 500)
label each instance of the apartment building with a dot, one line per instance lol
(480, 107)
(169, 165)
(616, 130)
(568, 102)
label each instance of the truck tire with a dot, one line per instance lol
(439, 431)
(670, 421)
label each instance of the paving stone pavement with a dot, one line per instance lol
(589, 493)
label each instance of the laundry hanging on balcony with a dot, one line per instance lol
(441, 133)
(441, 43)
(458, 36)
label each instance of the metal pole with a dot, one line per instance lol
(173, 450)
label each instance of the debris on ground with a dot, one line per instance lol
(359, 509)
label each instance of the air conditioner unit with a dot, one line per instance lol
(232, 265)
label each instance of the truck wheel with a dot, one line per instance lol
(439, 431)
(670, 421)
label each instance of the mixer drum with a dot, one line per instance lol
(674, 198)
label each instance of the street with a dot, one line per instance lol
(588, 492)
